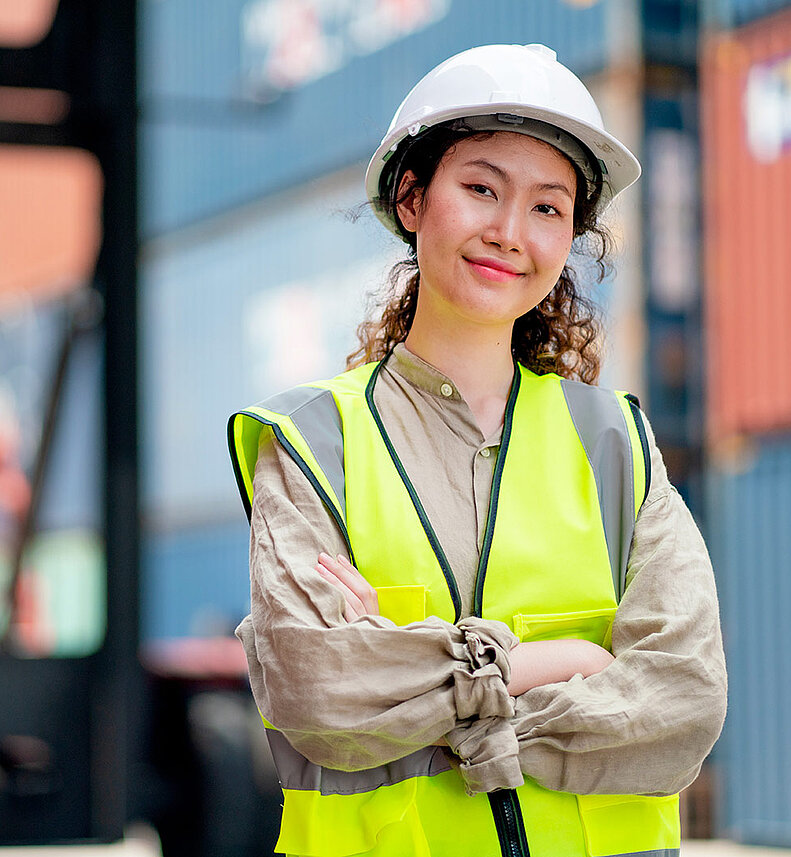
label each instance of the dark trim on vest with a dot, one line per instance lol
(488, 537)
(237, 470)
(508, 821)
(303, 466)
(634, 407)
(421, 512)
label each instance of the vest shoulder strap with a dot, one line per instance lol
(306, 421)
(611, 429)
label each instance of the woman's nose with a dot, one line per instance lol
(506, 230)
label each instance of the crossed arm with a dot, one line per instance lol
(363, 691)
(532, 664)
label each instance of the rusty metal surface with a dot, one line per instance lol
(746, 159)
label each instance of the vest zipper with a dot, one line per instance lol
(508, 822)
(421, 512)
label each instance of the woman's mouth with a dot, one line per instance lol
(493, 269)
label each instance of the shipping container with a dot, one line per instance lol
(243, 98)
(195, 581)
(222, 306)
(727, 14)
(618, 93)
(746, 139)
(749, 508)
(671, 246)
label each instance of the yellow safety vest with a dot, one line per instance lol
(571, 474)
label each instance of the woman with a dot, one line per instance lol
(482, 620)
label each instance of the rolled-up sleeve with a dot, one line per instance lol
(646, 722)
(360, 694)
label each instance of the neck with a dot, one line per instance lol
(478, 361)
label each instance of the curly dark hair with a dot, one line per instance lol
(562, 334)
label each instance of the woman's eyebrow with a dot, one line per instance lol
(556, 186)
(505, 177)
(498, 171)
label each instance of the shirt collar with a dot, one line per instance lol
(420, 374)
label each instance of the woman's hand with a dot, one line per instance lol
(548, 661)
(361, 597)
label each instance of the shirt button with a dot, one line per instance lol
(446, 390)
(486, 452)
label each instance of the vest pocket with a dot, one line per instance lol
(380, 823)
(402, 604)
(624, 824)
(593, 625)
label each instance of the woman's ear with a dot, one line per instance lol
(410, 198)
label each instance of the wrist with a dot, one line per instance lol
(549, 661)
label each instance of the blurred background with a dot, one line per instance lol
(178, 185)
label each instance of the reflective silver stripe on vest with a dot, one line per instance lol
(296, 772)
(601, 426)
(659, 852)
(316, 416)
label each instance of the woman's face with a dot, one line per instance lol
(494, 228)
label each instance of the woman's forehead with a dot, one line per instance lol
(517, 155)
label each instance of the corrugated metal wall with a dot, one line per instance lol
(221, 306)
(618, 93)
(195, 581)
(749, 494)
(208, 146)
(747, 213)
(723, 14)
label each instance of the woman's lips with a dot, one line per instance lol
(491, 269)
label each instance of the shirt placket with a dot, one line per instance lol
(484, 460)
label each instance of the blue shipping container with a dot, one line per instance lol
(237, 310)
(726, 14)
(242, 98)
(749, 509)
(195, 581)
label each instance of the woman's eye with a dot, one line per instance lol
(546, 208)
(481, 189)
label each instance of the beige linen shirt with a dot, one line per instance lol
(361, 694)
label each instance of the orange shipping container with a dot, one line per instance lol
(746, 154)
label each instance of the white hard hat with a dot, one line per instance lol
(512, 88)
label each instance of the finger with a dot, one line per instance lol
(365, 599)
(348, 613)
(354, 604)
(345, 571)
(348, 574)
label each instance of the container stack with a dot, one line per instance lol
(746, 149)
